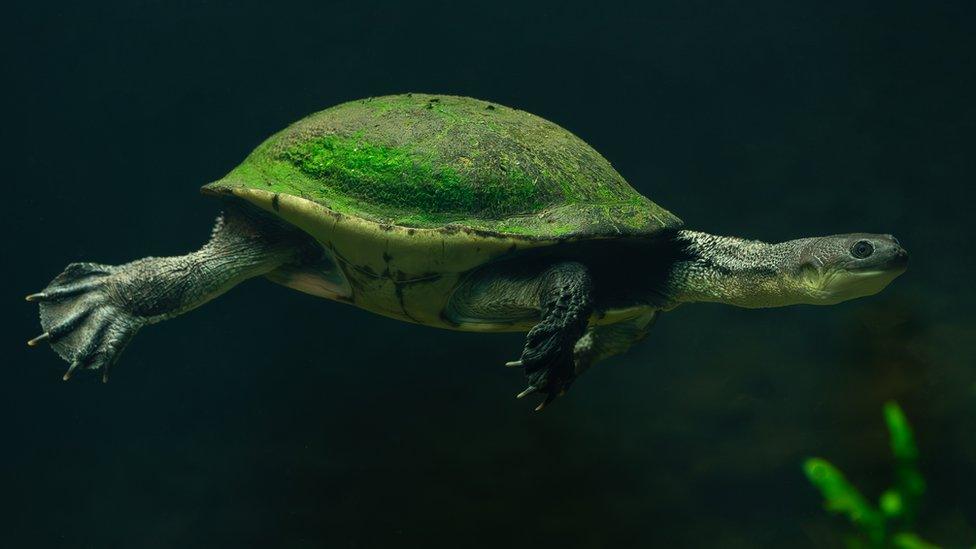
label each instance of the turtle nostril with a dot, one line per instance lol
(895, 240)
(901, 257)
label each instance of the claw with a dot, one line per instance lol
(38, 339)
(513, 364)
(71, 370)
(528, 391)
(549, 398)
(36, 297)
(101, 363)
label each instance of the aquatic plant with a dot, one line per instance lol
(891, 521)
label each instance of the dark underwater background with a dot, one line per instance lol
(269, 418)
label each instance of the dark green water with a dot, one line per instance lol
(271, 419)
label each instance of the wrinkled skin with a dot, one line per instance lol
(90, 311)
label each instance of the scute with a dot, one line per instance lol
(445, 162)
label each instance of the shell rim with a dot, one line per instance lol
(455, 228)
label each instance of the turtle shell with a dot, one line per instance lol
(427, 161)
(407, 194)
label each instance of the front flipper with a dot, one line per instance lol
(90, 312)
(81, 319)
(565, 302)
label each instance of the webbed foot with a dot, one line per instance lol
(82, 318)
(548, 363)
(547, 357)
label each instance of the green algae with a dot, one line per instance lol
(428, 161)
(400, 179)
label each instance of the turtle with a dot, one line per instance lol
(456, 213)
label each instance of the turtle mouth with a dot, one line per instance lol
(842, 284)
(897, 263)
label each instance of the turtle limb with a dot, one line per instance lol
(565, 301)
(601, 342)
(81, 322)
(90, 312)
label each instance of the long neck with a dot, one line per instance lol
(735, 271)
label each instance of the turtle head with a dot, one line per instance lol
(837, 268)
(750, 273)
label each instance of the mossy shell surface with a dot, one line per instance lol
(428, 161)
(410, 192)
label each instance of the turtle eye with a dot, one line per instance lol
(862, 249)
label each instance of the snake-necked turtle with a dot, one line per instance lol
(462, 214)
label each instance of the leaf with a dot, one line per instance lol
(909, 483)
(891, 503)
(907, 540)
(842, 497)
(902, 441)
